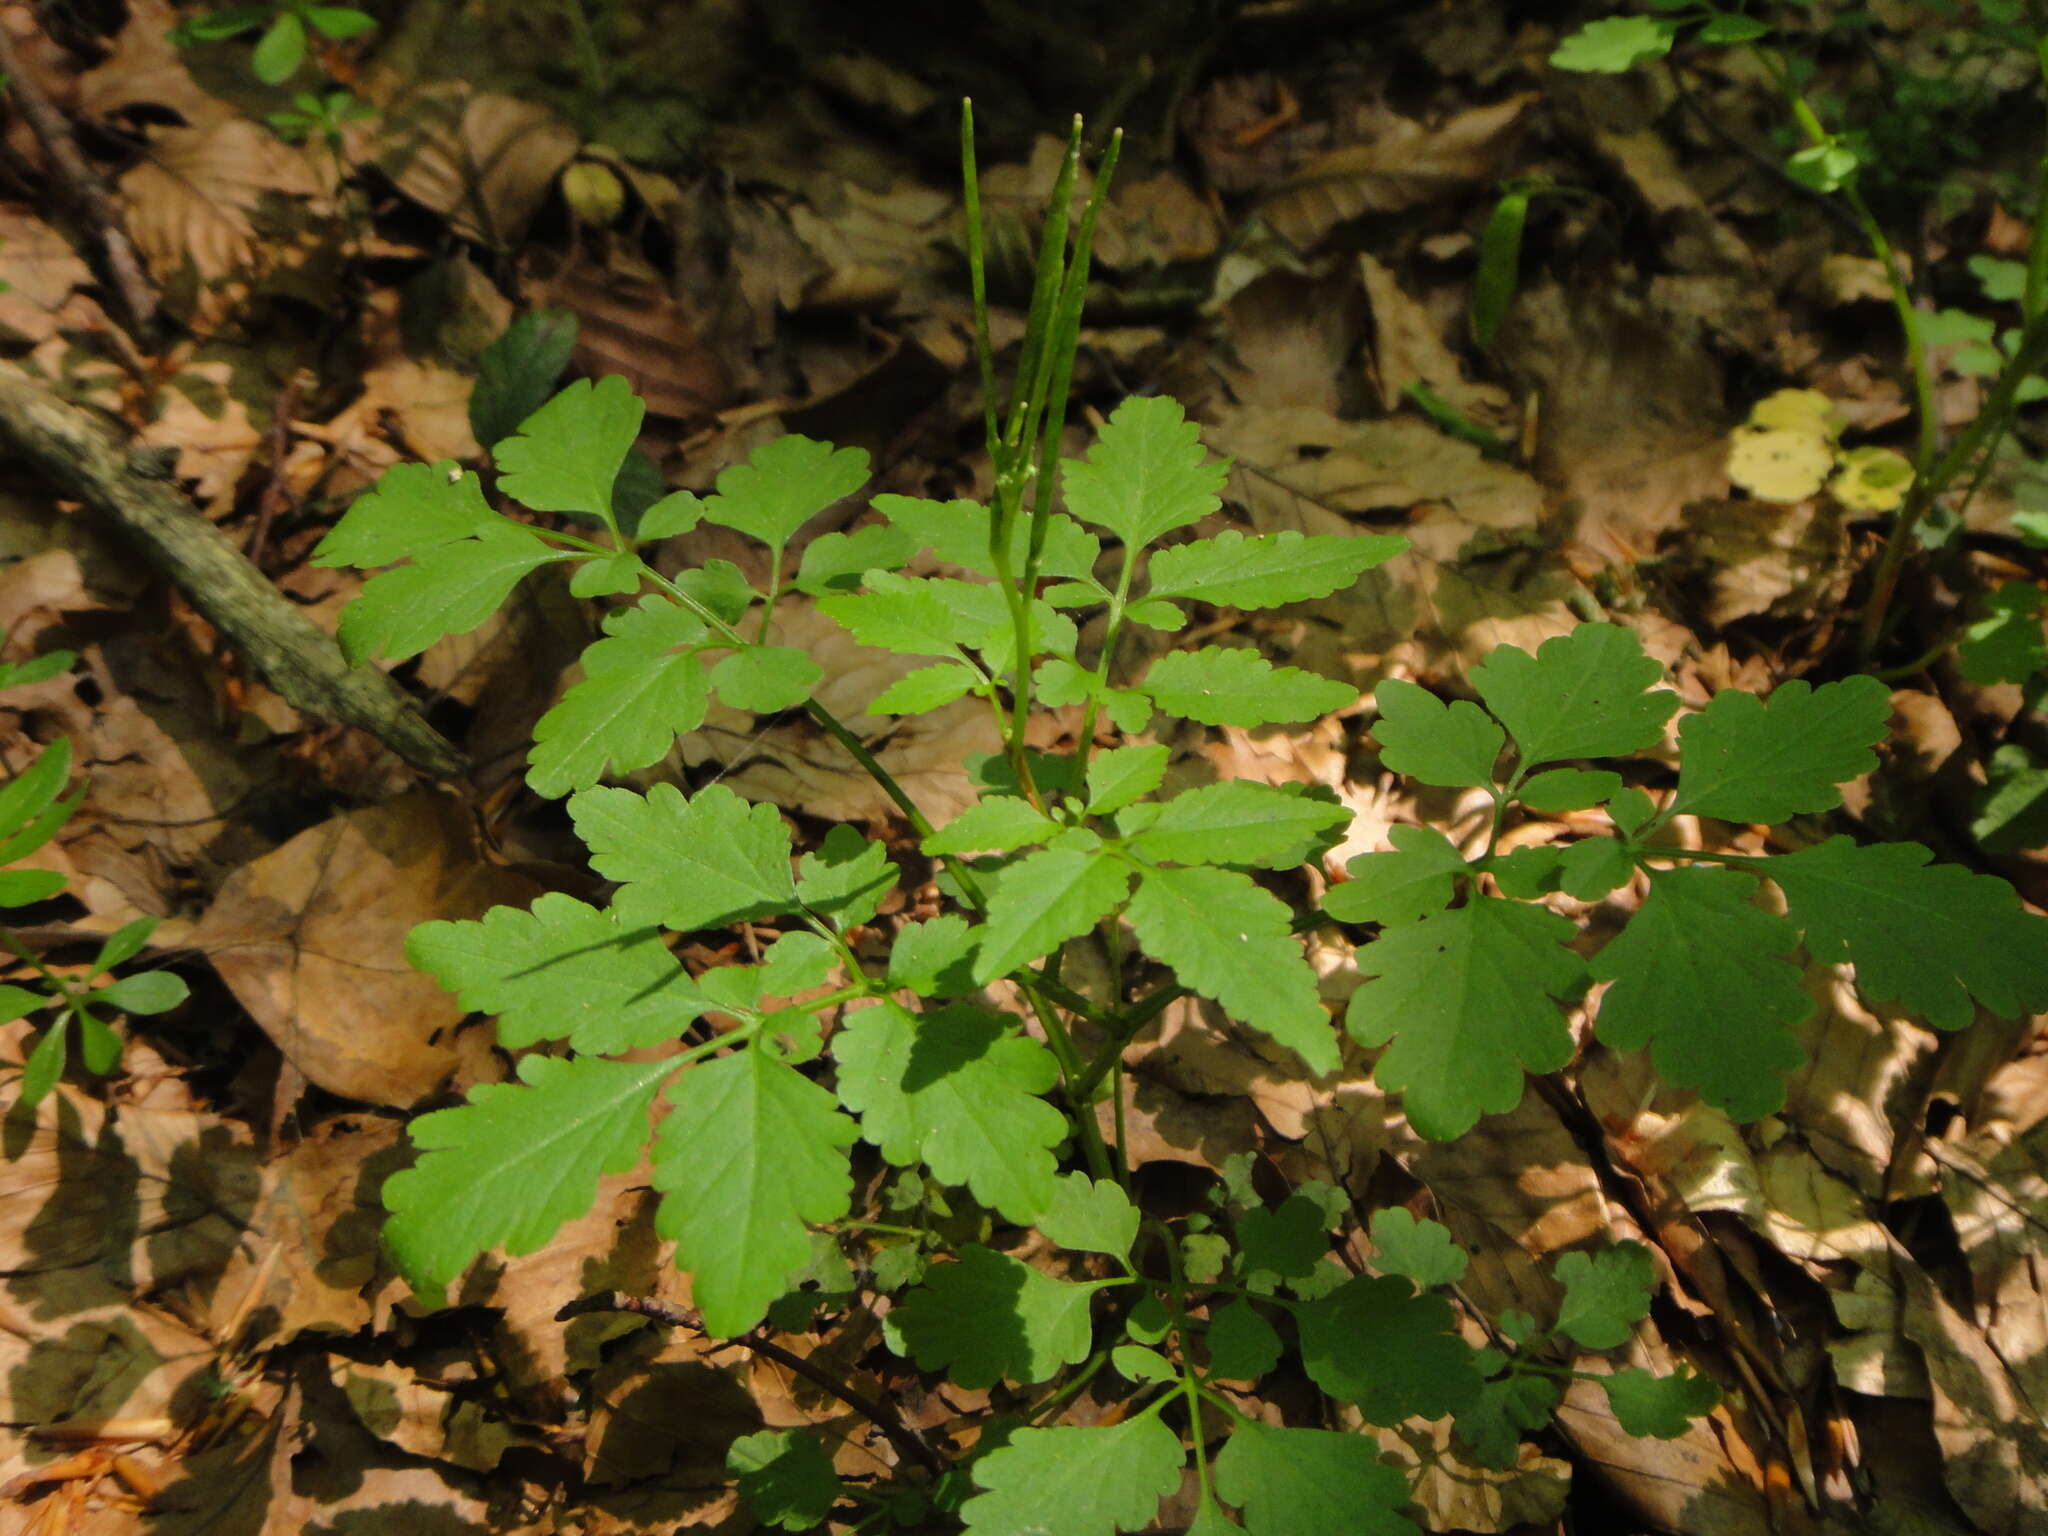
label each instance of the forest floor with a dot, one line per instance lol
(752, 210)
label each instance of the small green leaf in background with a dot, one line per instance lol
(1615, 44)
(1000, 824)
(515, 1162)
(1090, 1215)
(1243, 1346)
(846, 878)
(1450, 745)
(1506, 1406)
(412, 508)
(1224, 685)
(561, 970)
(35, 789)
(1076, 1481)
(1288, 1241)
(1146, 475)
(1228, 939)
(926, 689)
(24, 887)
(1311, 1482)
(1928, 936)
(1239, 822)
(1660, 1407)
(1568, 789)
(766, 678)
(988, 1318)
(1700, 974)
(2007, 645)
(786, 1477)
(642, 687)
(750, 1151)
(1592, 867)
(447, 590)
(677, 512)
(1374, 1342)
(1465, 998)
(784, 485)
(836, 562)
(1266, 570)
(1500, 264)
(1045, 899)
(281, 50)
(1744, 759)
(1581, 695)
(1605, 1294)
(1411, 882)
(516, 373)
(2012, 814)
(566, 455)
(1421, 1250)
(1123, 774)
(149, 992)
(958, 1089)
(686, 864)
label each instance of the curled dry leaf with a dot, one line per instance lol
(1405, 166)
(486, 161)
(311, 939)
(191, 200)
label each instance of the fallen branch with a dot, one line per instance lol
(908, 1442)
(77, 183)
(71, 451)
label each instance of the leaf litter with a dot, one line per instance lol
(195, 1289)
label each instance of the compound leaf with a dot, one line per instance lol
(413, 508)
(1492, 1426)
(958, 533)
(561, 971)
(1451, 745)
(1465, 998)
(1605, 1294)
(846, 879)
(686, 864)
(1229, 940)
(783, 486)
(786, 1477)
(447, 590)
(1091, 1215)
(1238, 822)
(1374, 1342)
(1580, 695)
(1421, 1250)
(999, 824)
(1926, 935)
(1659, 1407)
(1697, 974)
(766, 678)
(566, 455)
(1310, 1482)
(1413, 881)
(904, 614)
(1077, 1481)
(989, 1318)
(1268, 569)
(1045, 899)
(1227, 685)
(750, 1150)
(959, 1090)
(642, 687)
(515, 1162)
(1290, 1240)
(926, 689)
(836, 562)
(1243, 1346)
(1742, 759)
(1122, 774)
(1146, 475)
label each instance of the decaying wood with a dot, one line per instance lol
(70, 450)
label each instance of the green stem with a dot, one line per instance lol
(2026, 360)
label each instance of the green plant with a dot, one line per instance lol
(1830, 163)
(33, 807)
(284, 28)
(324, 116)
(986, 1110)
